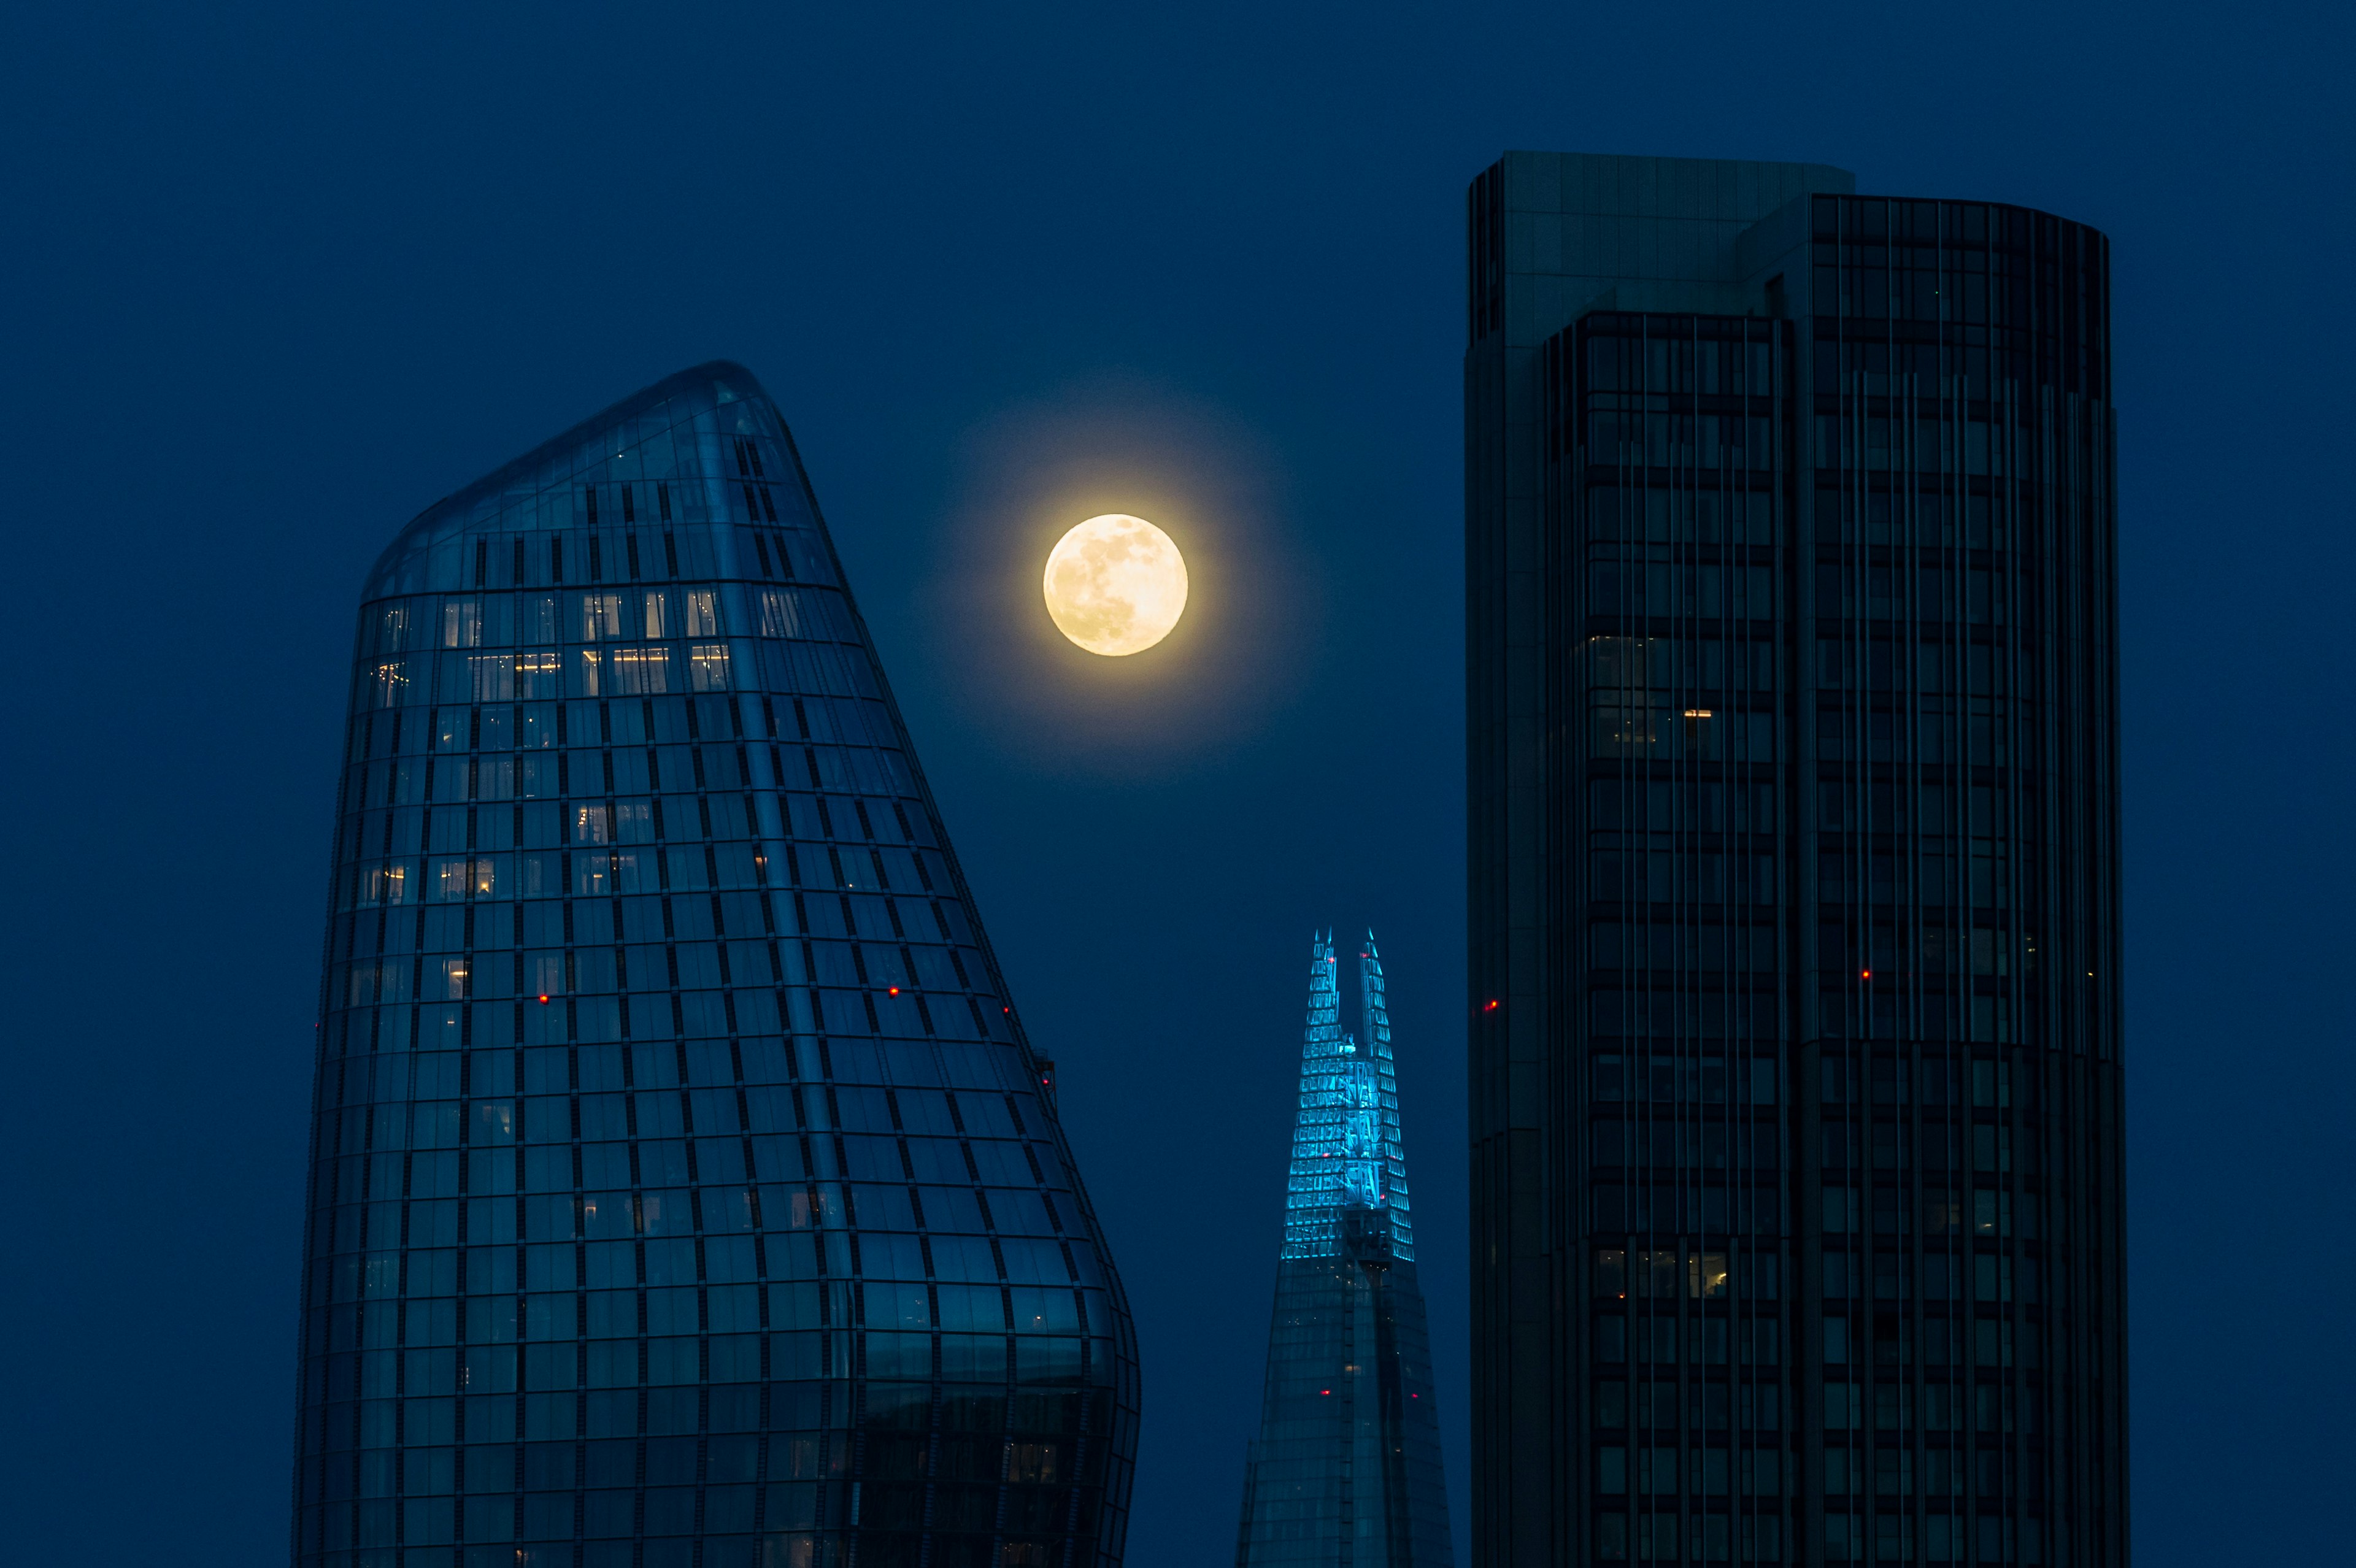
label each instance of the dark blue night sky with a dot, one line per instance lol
(272, 283)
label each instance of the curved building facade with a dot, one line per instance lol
(683, 1191)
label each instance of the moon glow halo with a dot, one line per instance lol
(1116, 584)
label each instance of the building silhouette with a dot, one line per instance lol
(1346, 1471)
(1796, 1097)
(683, 1191)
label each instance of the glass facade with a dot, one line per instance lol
(1796, 1078)
(683, 1191)
(1346, 1472)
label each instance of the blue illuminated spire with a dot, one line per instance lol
(1346, 1470)
(1346, 1150)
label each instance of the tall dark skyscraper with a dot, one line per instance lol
(683, 1191)
(1796, 1095)
(1346, 1470)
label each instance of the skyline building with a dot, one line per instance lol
(1796, 1089)
(1346, 1470)
(683, 1189)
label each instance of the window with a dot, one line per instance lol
(1657, 1340)
(492, 677)
(453, 880)
(1706, 1341)
(538, 676)
(601, 616)
(389, 682)
(779, 614)
(707, 667)
(702, 622)
(1610, 1338)
(462, 623)
(637, 672)
(658, 613)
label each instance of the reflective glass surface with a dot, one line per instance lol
(683, 1191)
(1796, 1054)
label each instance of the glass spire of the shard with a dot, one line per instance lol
(1346, 1472)
(684, 1193)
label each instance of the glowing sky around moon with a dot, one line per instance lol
(1116, 584)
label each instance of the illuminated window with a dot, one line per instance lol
(701, 620)
(493, 676)
(708, 667)
(538, 676)
(392, 679)
(601, 616)
(1627, 731)
(453, 880)
(462, 623)
(636, 672)
(657, 611)
(1656, 1272)
(780, 616)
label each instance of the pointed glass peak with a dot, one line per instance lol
(1346, 1149)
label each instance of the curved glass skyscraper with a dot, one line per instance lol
(683, 1191)
(1346, 1470)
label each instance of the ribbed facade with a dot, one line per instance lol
(682, 1190)
(1796, 1084)
(1346, 1470)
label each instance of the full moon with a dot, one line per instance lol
(1116, 584)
